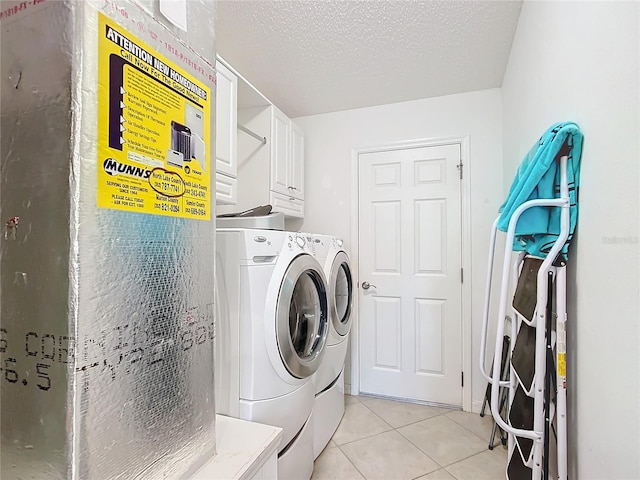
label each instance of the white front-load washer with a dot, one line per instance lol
(329, 379)
(272, 327)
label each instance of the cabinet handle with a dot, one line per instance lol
(292, 188)
(292, 198)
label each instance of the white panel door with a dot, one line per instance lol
(410, 254)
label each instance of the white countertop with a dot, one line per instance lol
(242, 447)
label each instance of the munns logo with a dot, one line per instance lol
(114, 167)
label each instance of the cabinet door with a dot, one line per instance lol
(296, 167)
(291, 207)
(280, 151)
(226, 189)
(226, 121)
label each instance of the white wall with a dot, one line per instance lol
(579, 61)
(331, 137)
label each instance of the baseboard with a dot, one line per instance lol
(476, 406)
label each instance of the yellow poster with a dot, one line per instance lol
(154, 130)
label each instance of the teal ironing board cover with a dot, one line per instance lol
(538, 177)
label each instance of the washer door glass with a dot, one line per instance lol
(302, 317)
(341, 294)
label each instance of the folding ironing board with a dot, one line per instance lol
(533, 363)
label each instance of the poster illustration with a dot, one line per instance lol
(154, 130)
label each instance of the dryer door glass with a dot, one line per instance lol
(342, 294)
(302, 317)
(305, 315)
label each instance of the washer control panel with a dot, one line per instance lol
(296, 242)
(300, 243)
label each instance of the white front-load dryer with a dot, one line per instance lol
(340, 292)
(329, 379)
(271, 333)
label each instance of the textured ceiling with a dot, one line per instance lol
(318, 56)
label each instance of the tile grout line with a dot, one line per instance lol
(444, 466)
(396, 429)
(469, 430)
(462, 460)
(441, 468)
(390, 426)
(418, 421)
(418, 448)
(425, 453)
(392, 429)
(445, 413)
(364, 438)
(354, 465)
(410, 423)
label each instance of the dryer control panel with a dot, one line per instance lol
(297, 242)
(302, 242)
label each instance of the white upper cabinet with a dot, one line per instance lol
(280, 151)
(287, 156)
(297, 162)
(226, 135)
(268, 160)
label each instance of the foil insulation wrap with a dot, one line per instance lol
(106, 327)
(200, 17)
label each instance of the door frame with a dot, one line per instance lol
(465, 189)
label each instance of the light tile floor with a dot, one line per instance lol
(388, 440)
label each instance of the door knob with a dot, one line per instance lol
(367, 285)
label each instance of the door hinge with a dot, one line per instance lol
(461, 275)
(460, 168)
(462, 379)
